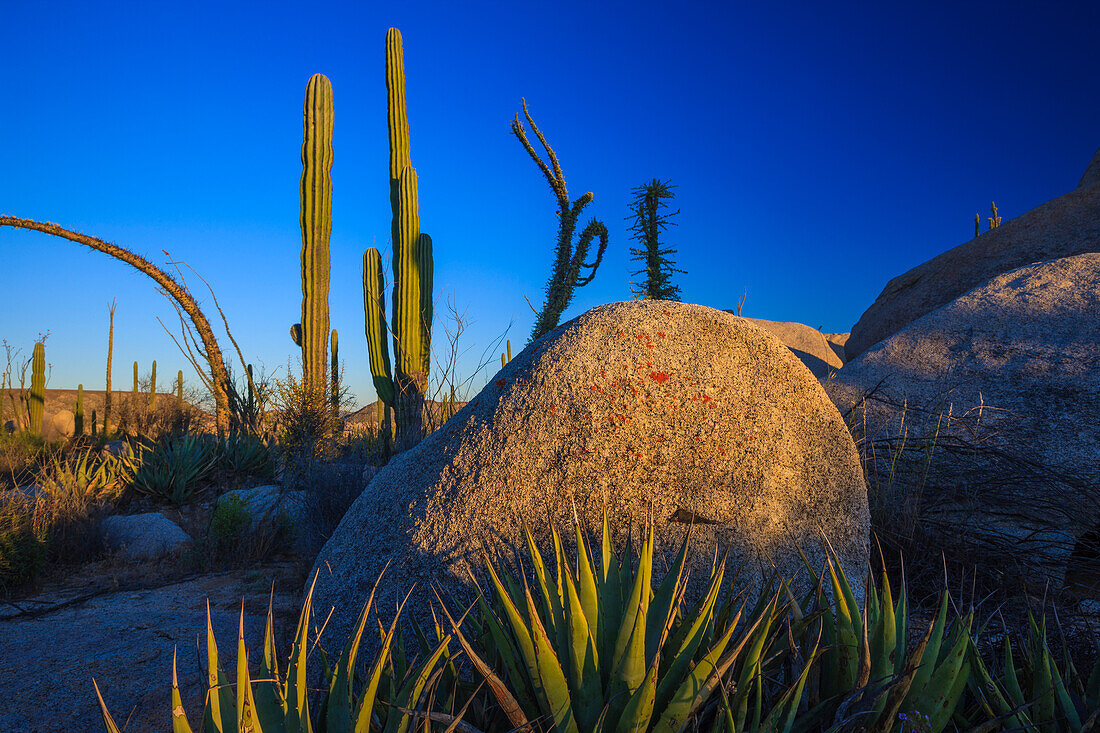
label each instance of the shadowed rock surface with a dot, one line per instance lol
(1015, 363)
(631, 408)
(1065, 226)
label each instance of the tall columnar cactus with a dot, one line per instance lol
(334, 374)
(316, 220)
(179, 388)
(406, 387)
(93, 424)
(135, 380)
(37, 399)
(78, 412)
(153, 387)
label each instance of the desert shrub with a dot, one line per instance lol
(228, 524)
(173, 468)
(22, 454)
(24, 540)
(307, 425)
(138, 415)
(329, 490)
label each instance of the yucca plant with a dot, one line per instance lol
(597, 648)
(172, 468)
(1034, 692)
(389, 699)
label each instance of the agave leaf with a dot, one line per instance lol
(179, 715)
(783, 714)
(936, 698)
(521, 685)
(683, 652)
(704, 676)
(1092, 688)
(610, 605)
(409, 696)
(338, 705)
(586, 582)
(1042, 689)
(553, 679)
(270, 705)
(1061, 694)
(247, 721)
(727, 713)
(551, 604)
(518, 626)
(584, 667)
(993, 701)
(628, 662)
(901, 619)
(1012, 682)
(108, 721)
(931, 655)
(638, 711)
(370, 692)
(846, 640)
(504, 697)
(665, 602)
(297, 699)
(218, 714)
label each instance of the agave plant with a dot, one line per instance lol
(597, 648)
(86, 476)
(1032, 692)
(273, 702)
(246, 454)
(866, 675)
(172, 468)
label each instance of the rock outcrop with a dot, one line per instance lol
(680, 412)
(1063, 227)
(821, 353)
(138, 537)
(1008, 377)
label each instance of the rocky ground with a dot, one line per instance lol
(108, 624)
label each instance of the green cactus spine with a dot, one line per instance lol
(179, 387)
(412, 261)
(153, 387)
(37, 398)
(316, 221)
(78, 412)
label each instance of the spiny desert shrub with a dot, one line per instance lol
(24, 540)
(329, 490)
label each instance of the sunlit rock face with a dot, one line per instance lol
(682, 413)
(822, 353)
(1063, 227)
(1007, 380)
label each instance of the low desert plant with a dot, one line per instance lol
(279, 702)
(246, 455)
(173, 468)
(24, 540)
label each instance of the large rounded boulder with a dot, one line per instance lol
(683, 413)
(996, 397)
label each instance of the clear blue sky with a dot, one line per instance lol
(819, 148)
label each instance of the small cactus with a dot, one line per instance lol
(37, 399)
(994, 221)
(977, 224)
(153, 387)
(93, 424)
(135, 380)
(179, 387)
(78, 411)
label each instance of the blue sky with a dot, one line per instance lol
(819, 149)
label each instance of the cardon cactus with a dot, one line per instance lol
(316, 221)
(93, 424)
(135, 380)
(412, 273)
(78, 412)
(334, 374)
(153, 386)
(179, 387)
(37, 398)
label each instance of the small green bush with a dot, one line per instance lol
(229, 525)
(24, 541)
